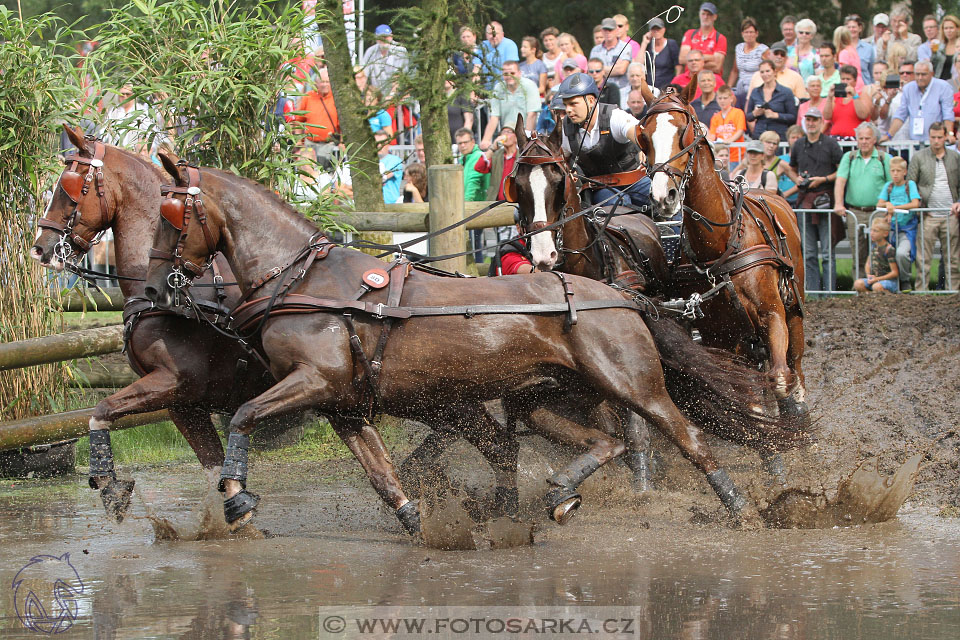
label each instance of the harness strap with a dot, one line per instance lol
(296, 303)
(571, 307)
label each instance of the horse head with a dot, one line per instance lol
(81, 207)
(542, 186)
(670, 139)
(187, 237)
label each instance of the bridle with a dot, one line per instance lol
(571, 194)
(178, 214)
(668, 103)
(76, 186)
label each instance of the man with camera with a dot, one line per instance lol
(925, 100)
(813, 167)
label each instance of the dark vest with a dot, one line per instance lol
(608, 156)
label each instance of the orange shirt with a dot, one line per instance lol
(724, 126)
(321, 115)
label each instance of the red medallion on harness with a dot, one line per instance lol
(376, 278)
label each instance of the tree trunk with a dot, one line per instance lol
(437, 30)
(364, 163)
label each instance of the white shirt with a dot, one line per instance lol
(135, 130)
(620, 123)
(940, 196)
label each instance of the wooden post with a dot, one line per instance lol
(60, 426)
(63, 346)
(445, 185)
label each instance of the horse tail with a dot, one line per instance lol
(721, 394)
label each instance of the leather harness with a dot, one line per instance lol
(75, 186)
(734, 259)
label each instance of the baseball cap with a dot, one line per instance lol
(779, 46)
(570, 63)
(608, 23)
(813, 112)
(383, 30)
(754, 146)
(657, 23)
(881, 18)
(709, 6)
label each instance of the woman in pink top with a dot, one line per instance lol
(848, 111)
(569, 48)
(814, 86)
(847, 52)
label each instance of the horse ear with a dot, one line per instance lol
(520, 131)
(169, 162)
(645, 91)
(556, 136)
(690, 90)
(76, 136)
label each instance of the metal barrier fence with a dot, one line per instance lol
(820, 254)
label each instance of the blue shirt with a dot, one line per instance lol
(784, 183)
(937, 106)
(381, 120)
(391, 187)
(899, 195)
(491, 59)
(867, 57)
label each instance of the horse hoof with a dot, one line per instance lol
(116, 498)
(409, 517)
(563, 503)
(792, 408)
(238, 510)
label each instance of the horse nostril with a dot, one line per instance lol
(672, 195)
(151, 292)
(553, 255)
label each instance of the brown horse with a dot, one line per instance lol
(455, 343)
(187, 367)
(622, 247)
(749, 241)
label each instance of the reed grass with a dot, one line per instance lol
(37, 91)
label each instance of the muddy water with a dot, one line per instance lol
(329, 545)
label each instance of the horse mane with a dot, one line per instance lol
(282, 204)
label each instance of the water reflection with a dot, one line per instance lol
(889, 581)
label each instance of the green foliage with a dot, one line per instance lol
(211, 76)
(39, 90)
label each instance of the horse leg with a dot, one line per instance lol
(639, 458)
(774, 328)
(499, 446)
(154, 391)
(197, 428)
(794, 359)
(563, 499)
(303, 388)
(368, 448)
(624, 386)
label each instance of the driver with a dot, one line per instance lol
(610, 153)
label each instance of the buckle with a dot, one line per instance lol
(217, 279)
(378, 314)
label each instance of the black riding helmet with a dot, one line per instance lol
(578, 84)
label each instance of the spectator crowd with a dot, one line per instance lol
(854, 123)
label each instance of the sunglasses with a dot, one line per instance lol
(621, 25)
(594, 70)
(906, 73)
(805, 33)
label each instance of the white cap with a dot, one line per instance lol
(881, 18)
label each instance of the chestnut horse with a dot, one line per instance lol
(750, 241)
(187, 367)
(622, 247)
(455, 342)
